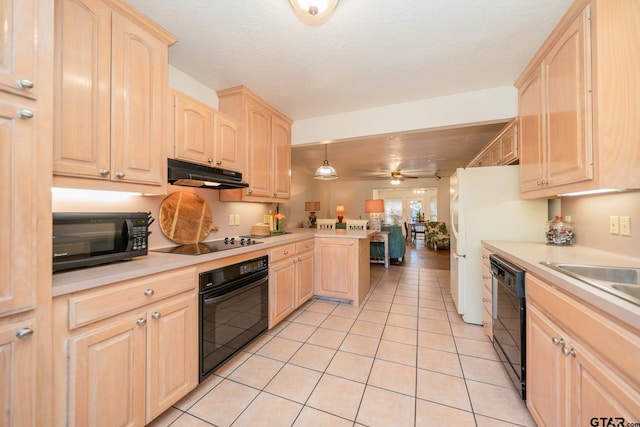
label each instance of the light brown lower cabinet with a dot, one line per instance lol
(581, 364)
(487, 295)
(342, 268)
(17, 373)
(291, 275)
(127, 369)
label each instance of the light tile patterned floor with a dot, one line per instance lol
(404, 358)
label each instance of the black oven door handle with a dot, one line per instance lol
(214, 300)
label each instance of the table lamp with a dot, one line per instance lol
(374, 207)
(312, 208)
(340, 211)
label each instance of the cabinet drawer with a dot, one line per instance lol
(485, 257)
(487, 323)
(487, 299)
(94, 305)
(305, 245)
(281, 252)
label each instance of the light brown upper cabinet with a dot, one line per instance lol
(111, 89)
(502, 150)
(18, 47)
(204, 135)
(265, 140)
(578, 103)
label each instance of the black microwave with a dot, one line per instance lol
(85, 239)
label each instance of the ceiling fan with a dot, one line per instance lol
(397, 177)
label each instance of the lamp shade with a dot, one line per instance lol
(314, 12)
(374, 205)
(340, 209)
(312, 206)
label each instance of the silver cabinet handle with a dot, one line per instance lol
(250, 191)
(275, 194)
(104, 172)
(119, 174)
(484, 276)
(485, 300)
(557, 341)
(484, 323)
(484, 257)
(25, 113)
(156, 315)
(24, 333)
(25, 84)
(351, 244)
(568, 352)
(218, 162)
(149, 292)
(295, 261)
(141, 322)
(285, 252)
(209, 160)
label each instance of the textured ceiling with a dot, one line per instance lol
(370, 53)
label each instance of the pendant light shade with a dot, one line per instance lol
(314, 12)
(325, 172)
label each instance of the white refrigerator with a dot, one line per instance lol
(486, 205)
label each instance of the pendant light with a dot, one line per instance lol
(314, 12)
(325, 172)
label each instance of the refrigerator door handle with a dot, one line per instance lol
(456, 255)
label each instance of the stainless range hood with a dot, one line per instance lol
(193, 175)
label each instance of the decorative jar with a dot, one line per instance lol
(560, 232)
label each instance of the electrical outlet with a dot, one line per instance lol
(230, 219)
(614, 225)
(625, 226)
(236, 219)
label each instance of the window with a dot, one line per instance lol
(393, 211)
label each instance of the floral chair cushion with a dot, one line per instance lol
(437, 234)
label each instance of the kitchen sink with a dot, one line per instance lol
(624, 282)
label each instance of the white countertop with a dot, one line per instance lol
(529, 255)
(158, 262)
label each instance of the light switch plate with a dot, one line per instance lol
(625, 226)
(236, 219)
(614, 225)
(231, 220)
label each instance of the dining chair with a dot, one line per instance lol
(416, 229)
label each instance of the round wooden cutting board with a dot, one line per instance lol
(185, 218)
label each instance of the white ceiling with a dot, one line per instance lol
(371, 53)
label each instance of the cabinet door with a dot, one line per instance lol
(568, 105)
(597, 391)
(227, 144)
(509, 144)
(17, 204)
(259, 153)
(532, 152)
(496, 153)
(172, 352)
(193, 139)
(138, 97)
(18, 47)
(107, 374)
(304, 277)
(82, 112)
(17, 374)
(336, 267)
(546, 371)
(282, 293)
(281, 158)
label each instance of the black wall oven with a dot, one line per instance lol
(509, 325)
(233, 310)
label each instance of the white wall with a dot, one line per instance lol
(590, 217)
(190, 86)
(489, 105)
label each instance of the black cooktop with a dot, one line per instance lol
(209, 247)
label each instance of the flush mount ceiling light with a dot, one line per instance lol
(325, 172)
(314, 12)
